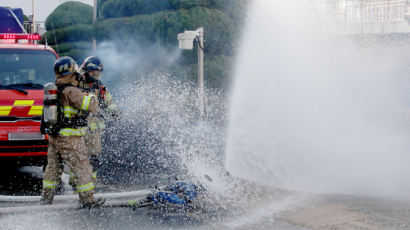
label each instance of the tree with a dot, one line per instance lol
(128, 8)
(164, 26)
(187, 4)
(68, 14)
(70, 30)
(74, 33)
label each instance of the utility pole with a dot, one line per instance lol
(34, 29)
(186, 43)
(94, 19)
(201, 93)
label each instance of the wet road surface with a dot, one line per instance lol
(308, 211)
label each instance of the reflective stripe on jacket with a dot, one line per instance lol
(96, 120)
(72, 102)
(73, 132)
(86, 102)
(96, 125)
(69, 111)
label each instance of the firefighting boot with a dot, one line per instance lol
(95, 204)
(88, 201)
(47, 196)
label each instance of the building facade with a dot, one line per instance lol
(367, 16)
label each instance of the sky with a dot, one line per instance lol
(43, 7)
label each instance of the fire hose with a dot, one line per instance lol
(178, 193)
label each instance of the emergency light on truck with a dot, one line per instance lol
(20, 37)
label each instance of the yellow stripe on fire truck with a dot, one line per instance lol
(36, 110)
(23, 102)
(5, 110)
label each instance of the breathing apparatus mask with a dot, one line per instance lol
(92, 68)
(93, 76)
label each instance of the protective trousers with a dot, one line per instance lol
(93, 142)
(70, 151)
(94, 148)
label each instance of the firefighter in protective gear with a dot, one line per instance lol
(91, 71)
(66, 144)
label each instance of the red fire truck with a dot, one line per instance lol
(24, 68)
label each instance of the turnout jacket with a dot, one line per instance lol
(75, 105)
(106, 105)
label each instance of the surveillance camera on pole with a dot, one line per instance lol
(186, 39)
(186, 42)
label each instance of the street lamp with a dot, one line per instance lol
(34, 29)
(94, 19)
(186, 42)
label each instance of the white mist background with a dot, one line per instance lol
(310, 109)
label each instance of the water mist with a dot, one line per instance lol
(311, 108)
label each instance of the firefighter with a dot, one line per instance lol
(91, 71)
(66, 143)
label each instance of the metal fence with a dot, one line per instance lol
(365, 11)
(378, 11)
(39, 27)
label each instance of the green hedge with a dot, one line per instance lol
(77, 54)
(217, 71)
(68, 14)
(187, 4)
(127, 8)
(235, 9)
(163, 27)
(69, 34)
(100, 3)
(66, 47)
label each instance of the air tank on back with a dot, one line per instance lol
(50, 104)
